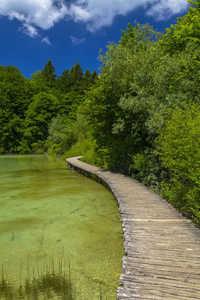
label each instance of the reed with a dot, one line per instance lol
(49, 281)
(44, 284)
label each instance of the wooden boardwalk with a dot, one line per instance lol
(162, 248)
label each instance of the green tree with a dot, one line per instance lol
(76, 78)
(62, 134)
(89, 79)
(138, 36)
(11, 131)
(48, 74)
(38, 83)
(86, 80)
(15, 90)
(39, 115)
(186, 30)
(120, 132)
(94, 77)
(139, 83)
(15, 95)
(63, 82)
(179, 149)
(69, 104)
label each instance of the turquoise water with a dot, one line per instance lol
(53, 216)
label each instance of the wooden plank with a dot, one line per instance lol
(162, 248)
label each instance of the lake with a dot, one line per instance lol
(55, 220)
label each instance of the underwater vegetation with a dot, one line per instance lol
(47, 284)
(44, 284)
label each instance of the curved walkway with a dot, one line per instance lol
(162, 248)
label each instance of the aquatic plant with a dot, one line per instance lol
(48, 284)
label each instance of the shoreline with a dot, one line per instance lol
(161, 246)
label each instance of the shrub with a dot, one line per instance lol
(179, 149)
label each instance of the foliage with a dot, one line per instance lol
(70, 103)
(179, 148)
(63, 82)
(27, 107)
(83, 147)
(48, 74)
(76, 78)
(144, 78)
(15, 94)
(117, 132)
(40, 112)
(11, 131)
(62, 135)
(139, 116)
(187, 29)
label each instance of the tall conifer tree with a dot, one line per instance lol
(49, 74)
(76, 78)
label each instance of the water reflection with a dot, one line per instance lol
(49, 213)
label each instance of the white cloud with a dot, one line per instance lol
(99, 13)
(42, 13)
(76, 41)
(94, 13)
(164, 9)
(46, 41)
(29, 30)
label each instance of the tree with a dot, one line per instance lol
(38, 82)
(16, 90)
(39, 114)
(15, 95)
(94, 77)
(186, 30)
(138, 36)
(86, 80)
(62, 134)
(63, 82)
(11, 131)
(120, 133)
(139, 83)
(48, 74)
(69, 104)
(76, 78)
(179, 149)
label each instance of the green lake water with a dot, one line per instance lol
(53, 218)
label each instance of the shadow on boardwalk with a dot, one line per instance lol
(162, 248)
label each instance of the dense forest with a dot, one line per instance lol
(38, 115)
(139, 116)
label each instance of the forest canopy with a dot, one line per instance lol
(140, 116)
(36, 114)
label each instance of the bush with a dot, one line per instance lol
(179, 149)
(84, 147)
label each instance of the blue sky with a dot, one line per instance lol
(67, 31)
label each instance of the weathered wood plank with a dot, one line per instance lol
(162, 247)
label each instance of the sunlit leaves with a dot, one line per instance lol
(187, 29)
(179, 150)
